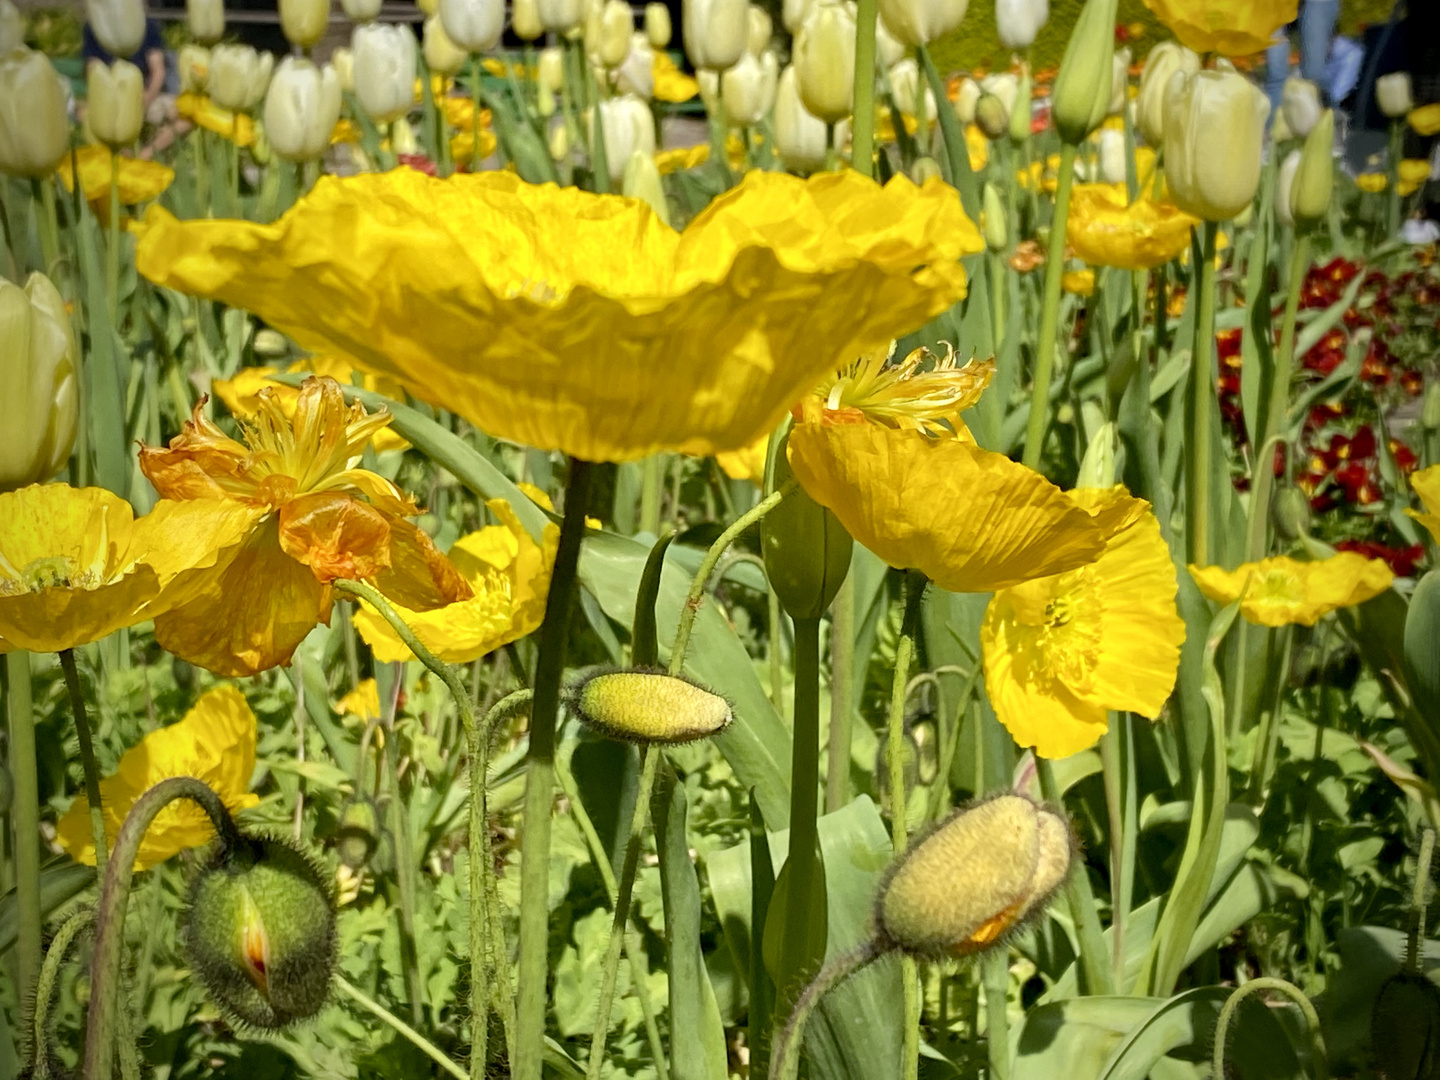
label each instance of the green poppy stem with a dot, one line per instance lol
(1201, 406)
(1046, 344)
(1081, 900)
(24, 821)
(88, 764)
(785, 1062)
(862, 129)
(528, 1050)
(995, 982)
(424, 1045)
(1318, 1062)
(77, 922)
(101, 1023)
(842, 661)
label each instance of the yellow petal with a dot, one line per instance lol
(1282, 590)
(580, 322)
(1230, 27)
(1426, 483)
(1106, 230)
(137, 180)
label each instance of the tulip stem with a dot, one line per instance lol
(527, 1053)
(785, 1061)
(100, 1028)
(1046, 345)
(87, 756)
(112, 249)
(1202, 401)
(24, 822)
(1392, 193)
(48, 222)
(862, 130)
(424, 1045)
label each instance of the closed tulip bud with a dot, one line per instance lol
(361, 10)
(1300, 105)
(748, 88)
(1004, 85)
(442, 56)
(1314, 180)
(301, 109)
(761, 29)
(561, 16)
(1290, 513)
(544, 101)
(923, 169)
(905, 86)
(239, 76)
(636, 73)
(118, 25)
(824, 61)
(1214, 135)
(994, 219)
(1082, 89)
(992, 117)
(525, 20)
(193, 62)
(1020, 113)
(649, 707)
(657, 25)
(966, 100)
(1164, 60)
(792, 14)
(1393, 94)
(402, 138)
(642, 181)
(889, 50)
(1279, 128)
(807, 551)
(474, 25)
(614, 28)
(629, 126)
(799, 133)
(919, 22)
(715, 31)
(115, 93)
(343, 61)
(304, 21)
(12, 27)
(37, 383)
(550, 68)
(1019, 21)
(259, 930)
(559, 142)
(385, 69)
(206, 20)
(1119, 81)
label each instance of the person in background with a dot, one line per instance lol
(1317, 29)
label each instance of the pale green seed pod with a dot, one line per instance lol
(649, 707)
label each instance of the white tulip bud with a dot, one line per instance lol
(629, 127)
(304, 21)
(636, 73)
(919, 22)
(239, 76)
(748, 88)
(385, 69)
(715, 31)
(1300, 105)
(474, 25)
(301, 109)
(525, 20)
(442, 56)
(206, 20)
(116, 102)
(119, 25)
(1019, 22)
(824, 61)
(1393, 94)
(761, 29)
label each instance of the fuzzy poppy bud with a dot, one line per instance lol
(649, 707)
(357, 833)
(981, 873)
(807, 551)
(1290, 514)
(260, 933)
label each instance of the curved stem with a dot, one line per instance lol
(114, 898)
(24, 821)
(1202, 404)
(528, 1050)
(695, 599)
(785, 1061)
(78, 922)
(1312, 1022)
(1045, 345)
(424, 1045)
(87, 757)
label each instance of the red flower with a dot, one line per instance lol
(1401, 560)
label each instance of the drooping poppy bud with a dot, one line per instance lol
(649, 707)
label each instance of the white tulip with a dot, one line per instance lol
(442, 56)
(474, 25)
(1019, 21)
(206, 19)
(119, 25)
(116, 102)
(919, 22)
(905, 85)
(761, 29)
(1004, 85)
(628, 127)
(889, 50)
(1300, 105)
(967, 99)
(561, 16)
(636, 73)
(12, 27)
(304, 22)
(824, 61)
(301, 109)
(193, 65)
(1284, 184)
(1214, 138)
(361, 10)
(715, 31)
(709, 83)
(1393, 94)
(1113, 167)
(402, 138)
(384, 69)
(657, 25)
(608, 32)
(239, 76)
(525, 20)
(642, 181)
(550, 68)
(343, 61)
(799, 133)
(34, 130)
(748, 88)
(1164, 60)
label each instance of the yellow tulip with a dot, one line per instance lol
(1105, 231)
(203, 112)
(579, 322)
(214, 742)
(1372, 182)
(1281, 591)
(312, 517)
(1062, 651)
(672, 84)
(1411, 175)
(1230, 27)
(1426, 483)
(1079, 282)
(139, 180)
(1426, 119)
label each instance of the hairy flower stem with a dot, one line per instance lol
(424, 1045)
(528, 1050)
(896, 742)
(77, 923)
(1046, 344)
(862, 131)
(785, 1061)
(101, 1026)
(24, 821)
(1319, 1066)
(88, 764)
(1201, 406)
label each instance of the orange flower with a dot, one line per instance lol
(315, 518)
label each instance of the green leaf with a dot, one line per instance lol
(644, 650)
(58, 883)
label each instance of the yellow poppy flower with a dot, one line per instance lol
(460, 113)
(671, 84)
(1426, 483)
(363, 702)
(681, 157)
(313, 517)
(215, 742)
(1105, 231)
(1230, 27)
(1061, 651)
(463, 142)
(345, 131)
(75, 564)
(884, 449)
(1372, 182)
(201, 111)
(1426, 119)
(1281, 591)
(746, 464)
(579, 322)
(241, 394)
(1411, 173)
(139, 181)
(440, 86)
(1079, 282)
(509, 577)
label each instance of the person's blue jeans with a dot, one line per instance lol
(1317, 30)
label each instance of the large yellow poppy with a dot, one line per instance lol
(581, 322)
(75, 564)
(1282, 590)
(1426, 483)
(1061, 651)
(215, 742)
(1105, 231)
(1230, 27)
(313, 518)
